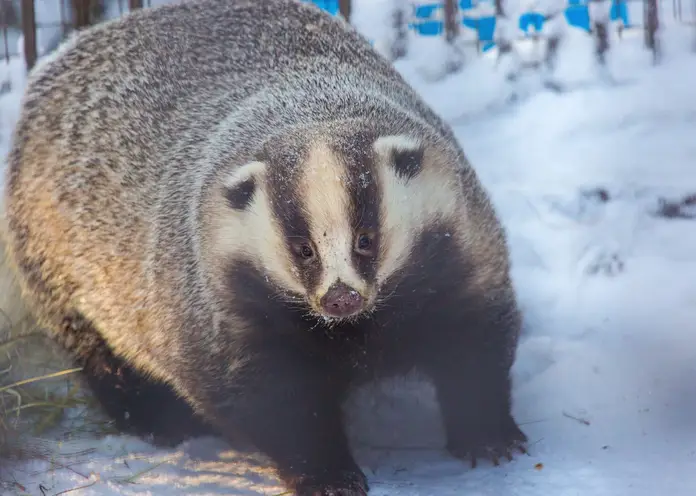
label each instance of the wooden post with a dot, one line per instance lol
(651, 27)
(80, 13)
(135, 4)
(451, 20)
(504, 44)
(499, 8)
(398, 47)
(29, 32)
(601, 32)
(619, 30)
(344, 7)
(8, 14)
(4, 24)
(455, 55)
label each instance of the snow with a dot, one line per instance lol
(604, 384)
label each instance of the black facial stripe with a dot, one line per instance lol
(283, 175)
(435, 272)
(240, 195)
(363, 192)
(407, 163)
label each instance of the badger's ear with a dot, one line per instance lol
(241, 185)
(403, 153)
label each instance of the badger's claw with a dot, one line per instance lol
(492, 445)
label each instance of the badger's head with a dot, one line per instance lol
(328, 217)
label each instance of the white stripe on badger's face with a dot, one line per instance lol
(253, 231)
(327, 210)
(409, 205)
(397, 142)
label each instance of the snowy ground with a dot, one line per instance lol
(605, 382)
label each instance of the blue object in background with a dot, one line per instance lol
(578, 15)
(486, 30)
(471, 22)
(620, 11)
(428, 17)
(484, 25)
(426, 11)
(531, 19)
(331, 6)
(429, 28)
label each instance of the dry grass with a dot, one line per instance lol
(38, 384)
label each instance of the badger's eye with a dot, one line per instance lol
(304, 250)
(363, 244)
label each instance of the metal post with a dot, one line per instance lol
(80, 13)
(344, 7)
(451, 20)
(29, 32)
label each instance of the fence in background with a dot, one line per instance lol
(21, 30)
(21, 27)
(478, 16)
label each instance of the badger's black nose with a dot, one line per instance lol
(341, 301)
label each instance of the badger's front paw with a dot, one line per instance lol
(347, 483)
(492, 442)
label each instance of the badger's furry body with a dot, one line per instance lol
(243, 203)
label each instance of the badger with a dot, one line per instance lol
(232, 213)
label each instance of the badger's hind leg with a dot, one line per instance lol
(137, 404)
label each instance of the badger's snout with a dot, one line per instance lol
(341, 301)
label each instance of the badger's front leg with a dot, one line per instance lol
(288, 405)
(469, 363)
